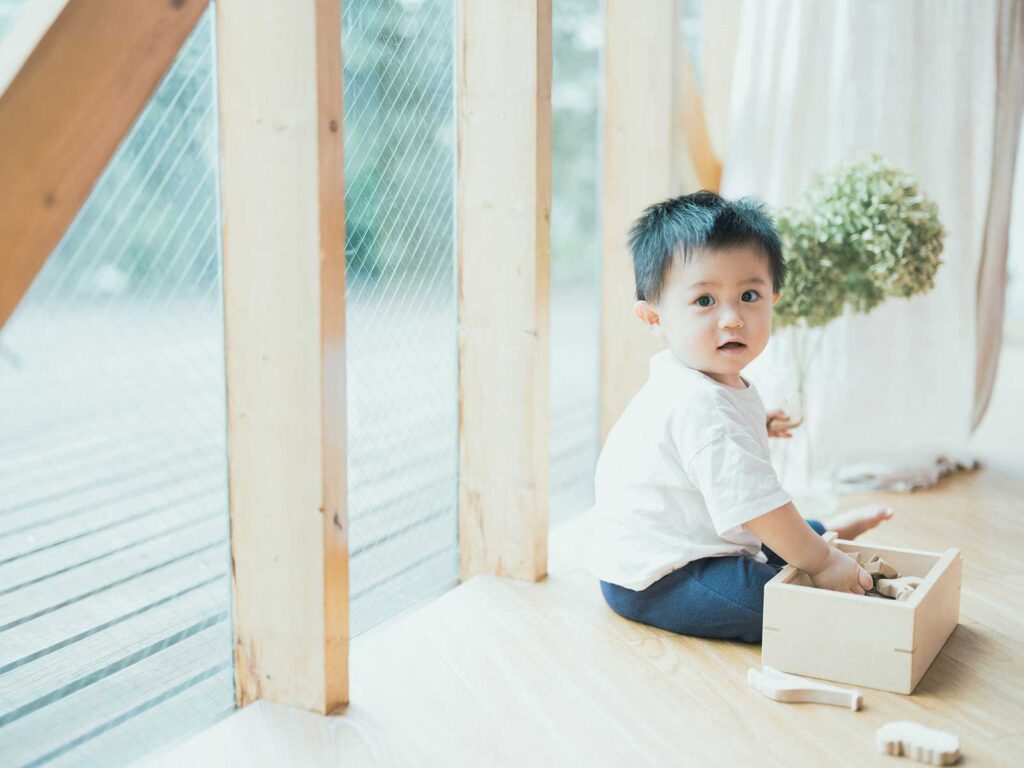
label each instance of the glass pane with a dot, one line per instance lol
(9, 10)
(115, 613)
(401, 308)
(575, 254)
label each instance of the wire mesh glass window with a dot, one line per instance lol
(401, 309)
(9, 10)
(114, 558)
(578, 34)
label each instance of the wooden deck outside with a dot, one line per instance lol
(114, 602)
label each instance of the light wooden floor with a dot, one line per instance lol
(498, 672)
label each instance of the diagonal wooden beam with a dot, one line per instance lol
(74, 76)
(690, 114)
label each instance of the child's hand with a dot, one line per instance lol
(841, 573)
(779, 424)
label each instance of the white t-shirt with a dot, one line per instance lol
(684, 467)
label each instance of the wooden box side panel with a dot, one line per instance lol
(845, 638)
(839, 663)
(937, 614)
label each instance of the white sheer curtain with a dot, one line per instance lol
(816, 85)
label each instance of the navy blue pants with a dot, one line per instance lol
(719, 597)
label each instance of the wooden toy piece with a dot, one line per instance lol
(886, 571)
(900, 589)
(918, 742)
(793, 689)
(877, 567)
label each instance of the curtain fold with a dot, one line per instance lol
(817, 85)
(992, 272)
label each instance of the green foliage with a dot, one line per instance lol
(859, 236)
(815, 289)
(152, 220)
(399, 138)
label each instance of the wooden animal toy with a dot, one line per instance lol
(918, 742)
(794, 689)
(877, 567)
(901, 589)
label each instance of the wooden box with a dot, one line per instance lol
(861, 640)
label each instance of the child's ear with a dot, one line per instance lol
(775, 298)
(648, 316)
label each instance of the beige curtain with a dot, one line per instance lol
(935, 87)
(1009, 52)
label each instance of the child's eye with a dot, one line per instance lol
(750, 296)
(705, 300)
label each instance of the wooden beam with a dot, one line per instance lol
(504, 206)
(720, 24)
(282, 190)
(690, 114)
(639, 136)
(74, 76)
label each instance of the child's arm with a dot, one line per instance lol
(788, 534)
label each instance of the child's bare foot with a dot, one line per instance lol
(854, 522)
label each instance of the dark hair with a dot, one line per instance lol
(700, 220)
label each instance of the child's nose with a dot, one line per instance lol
(730, 319)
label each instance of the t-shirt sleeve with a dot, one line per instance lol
(734, 475)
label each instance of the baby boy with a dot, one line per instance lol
(686, 493)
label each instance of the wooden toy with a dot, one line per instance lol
(792, 689)
(860, 640)
(900, 589)
(918, 742)
(877, 567)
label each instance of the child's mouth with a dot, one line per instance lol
(733, 346)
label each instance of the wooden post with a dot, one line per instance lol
(504, 199)
(74, 75)
(696, 159)
(282, 189)
(639, 137)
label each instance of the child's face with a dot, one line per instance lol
(715, 310)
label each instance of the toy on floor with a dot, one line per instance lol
(794, 689)
(918, 742)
